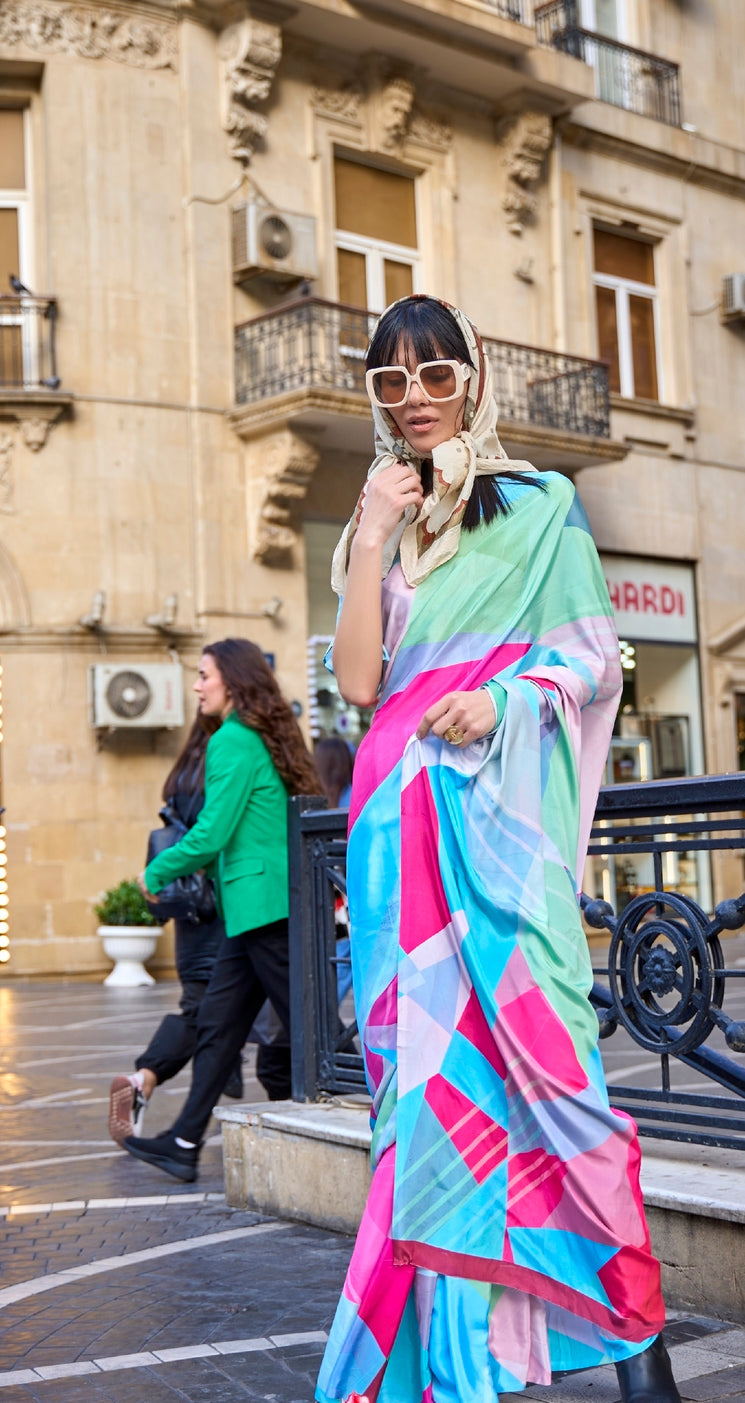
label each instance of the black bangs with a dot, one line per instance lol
(431, 331)
(423, 324)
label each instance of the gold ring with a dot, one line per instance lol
(455, 735)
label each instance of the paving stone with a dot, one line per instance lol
(97, 1203)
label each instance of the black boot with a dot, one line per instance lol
(648, 1377)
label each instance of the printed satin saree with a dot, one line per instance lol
(504, 1235)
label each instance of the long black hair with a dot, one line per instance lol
(425, 324)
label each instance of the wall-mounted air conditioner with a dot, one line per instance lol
(127, 695)
(272, 243)
(733, 297)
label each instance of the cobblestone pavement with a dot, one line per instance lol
(117, 1285)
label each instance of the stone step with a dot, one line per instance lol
(311, 1162)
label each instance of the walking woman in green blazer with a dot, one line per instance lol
(255, 759)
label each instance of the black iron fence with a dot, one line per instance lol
(317, 345)
(325, 1060)
(509, 9)
(624, 76)
(27, 349)
(664, 983)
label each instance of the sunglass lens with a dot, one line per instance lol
(438, 380)
(390, 387)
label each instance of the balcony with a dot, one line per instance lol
(303, 365)
(484, 47)
(625, 77)
(27, 349)
(29, 383)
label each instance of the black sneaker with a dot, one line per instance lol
(164, 1153)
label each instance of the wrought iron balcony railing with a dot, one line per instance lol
(626, 77)
(27, 349)
(661, 989)
(316, 345)
(509, 9)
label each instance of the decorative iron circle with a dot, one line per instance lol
(660, 968)
(661, 972)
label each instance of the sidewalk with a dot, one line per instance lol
(118, 1285)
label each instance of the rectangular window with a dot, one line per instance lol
(604, 17)
(627, 311)
(12, 155)
(376, 234)
(15, 348)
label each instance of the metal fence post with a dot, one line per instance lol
(303, 996)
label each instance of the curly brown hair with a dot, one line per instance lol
(258, 703)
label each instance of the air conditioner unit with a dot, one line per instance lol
(733, 297)
(272, 243)
(129, 695)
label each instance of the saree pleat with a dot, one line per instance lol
(504, 1236)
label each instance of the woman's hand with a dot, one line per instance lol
(471, 714)
(141, 884)
(386, 498)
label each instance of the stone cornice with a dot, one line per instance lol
(251, 420)
(568, 452)
(611, 131)
(131, 34)
(43, 638)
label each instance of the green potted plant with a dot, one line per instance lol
(129, 934)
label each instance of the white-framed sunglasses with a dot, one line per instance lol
(390, 386)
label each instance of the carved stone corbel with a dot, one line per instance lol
(287, 463)
(395, 102)
(526, 139)
(34, 412)
(35, 431)
(250, 51)
(390, 103)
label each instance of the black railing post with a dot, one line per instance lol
(303, 981)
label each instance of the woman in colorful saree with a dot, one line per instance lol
(504, 1235)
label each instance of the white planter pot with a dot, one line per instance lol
(129, 947)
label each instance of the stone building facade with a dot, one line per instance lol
(201, 203)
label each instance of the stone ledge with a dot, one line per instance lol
(306, 1162)
(311, 1162)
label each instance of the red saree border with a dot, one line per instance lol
(533, 1283)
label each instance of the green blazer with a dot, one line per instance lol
(240, 835)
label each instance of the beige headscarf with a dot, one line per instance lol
(430, 536)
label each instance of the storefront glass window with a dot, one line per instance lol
(740, 724)
(329, 714)
(658, 732)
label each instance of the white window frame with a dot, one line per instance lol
(375, 252)
(30, 349)
(625, 288)
(19, 200)
(589, 18)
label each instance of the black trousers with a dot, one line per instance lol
(172, 1044)
(249, 968)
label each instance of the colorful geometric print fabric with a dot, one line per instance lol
(504, 1235)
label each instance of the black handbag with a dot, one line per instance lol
(189, 898)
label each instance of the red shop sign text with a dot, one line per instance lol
(629, 598)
